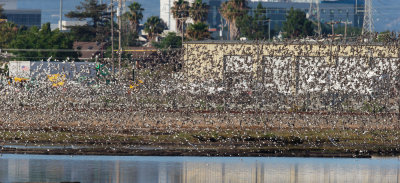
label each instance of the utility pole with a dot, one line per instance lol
(319, 19)
(345, 28)
(332, 23)
(269, 29)
(119, 36)
(112, 37)
(182, 22)
(60, 24)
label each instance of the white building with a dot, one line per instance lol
(166, 15)
(65, 24)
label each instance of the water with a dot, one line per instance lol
(46, 168)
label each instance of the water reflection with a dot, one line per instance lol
(39, 168)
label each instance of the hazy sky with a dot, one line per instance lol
(386, 12)
(386, 15)
(50, 8)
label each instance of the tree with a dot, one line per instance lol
(97, 28)
(351, 30)
(130, 31)
(386, 36)
(170, 41)
(180, 11)
(8, 32)
(134, 15)
(154, 26)
(199, 11)
(297, 25)
(33, 38)
(231, 10)
(254, 27)
(198, 31)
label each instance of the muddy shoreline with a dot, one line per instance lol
(192, 152)
(348, 143)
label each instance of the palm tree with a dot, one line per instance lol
(154, 26)
(134, 15)
(199, 11)
(180, 12)
(198, 31)
(231, 10)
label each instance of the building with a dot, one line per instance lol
(295, 67)
(26, 18)
(89, 50)
(66, 24)
(330, 11)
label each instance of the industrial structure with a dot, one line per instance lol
(28, 18)
(324, 11)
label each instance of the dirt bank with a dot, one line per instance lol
(304, 142)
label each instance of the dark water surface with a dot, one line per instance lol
(49, 168)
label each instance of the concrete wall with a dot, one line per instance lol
(205, 61)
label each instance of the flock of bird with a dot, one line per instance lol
(350, 92)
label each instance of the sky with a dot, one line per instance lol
(51, 8)
(386, 13)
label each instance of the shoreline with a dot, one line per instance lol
(174, 141)
(190, 152)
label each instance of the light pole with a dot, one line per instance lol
(61, 7)
(269, 29)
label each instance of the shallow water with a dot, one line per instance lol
(49, 168)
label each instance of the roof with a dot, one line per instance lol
(88, 50)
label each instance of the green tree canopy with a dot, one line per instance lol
(130, 26)
(180, 11)
(98, 18)
(231, 10)
(254, 27)
(198, 11)
(33, 38)
(170, 41)
(386, 36)
(134, 15)
(154, 26)
(351, 30)
(297, 25)
(8, 32)
(198, 31)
